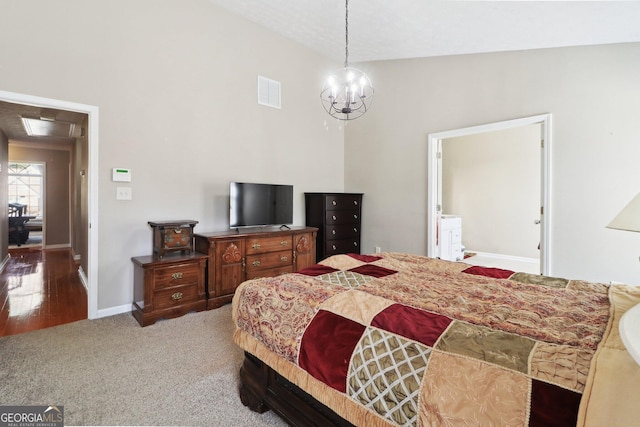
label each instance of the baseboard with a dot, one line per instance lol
(83, 278)
(112, 311)
(4, 262)
(61, 246)
(505, 257)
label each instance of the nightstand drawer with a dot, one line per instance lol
(174, 297)
(268, 244)
(176, 275)
(269, 260)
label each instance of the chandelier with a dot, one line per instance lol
(347, 94)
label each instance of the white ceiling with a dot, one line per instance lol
(394, 29)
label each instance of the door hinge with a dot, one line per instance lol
(541, 210)
(439, 155)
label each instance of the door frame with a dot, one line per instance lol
(90, 280)
(433, 182)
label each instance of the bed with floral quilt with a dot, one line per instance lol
(400, 339)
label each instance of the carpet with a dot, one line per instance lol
(111, 371)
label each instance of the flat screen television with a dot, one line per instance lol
(253, 205)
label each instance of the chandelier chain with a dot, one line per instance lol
(346, 34)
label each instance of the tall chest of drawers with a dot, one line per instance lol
(338, 219)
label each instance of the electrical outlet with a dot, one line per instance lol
(378, 249)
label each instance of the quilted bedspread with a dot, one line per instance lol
(399, 339)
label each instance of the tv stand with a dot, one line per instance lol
(236, 256)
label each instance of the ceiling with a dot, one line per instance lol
(11, 123)
(399, 29)
(395, 29)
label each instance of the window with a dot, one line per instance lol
(26, 184)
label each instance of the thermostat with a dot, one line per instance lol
(122, 174)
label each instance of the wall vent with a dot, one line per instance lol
(268, 92)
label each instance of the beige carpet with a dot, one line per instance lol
(111, 371)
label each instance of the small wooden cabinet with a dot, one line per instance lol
(171, 236)
(236, 256)
(338, 219)
(168, 287)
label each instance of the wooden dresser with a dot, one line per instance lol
(236, 256)
(338, 219)
(168, 287)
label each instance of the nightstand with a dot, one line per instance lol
(168, 287)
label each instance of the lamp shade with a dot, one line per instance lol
(629, 218)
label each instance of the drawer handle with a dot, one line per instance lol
(177, 230)
(333, 232)
(176, 276)
(177, 296)
(284, 258)
(355, 216)
(256, 246)
(334, 247)
(333, 202)
(255, 263)
(355, 202)
(355, 230)
(355, 243)
(284, 243)
(334, 217)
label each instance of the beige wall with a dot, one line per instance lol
(57, 189)
(4, 221)
(492, 180)
(176, 87)
(592, 93)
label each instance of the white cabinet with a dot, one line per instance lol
(450, 238)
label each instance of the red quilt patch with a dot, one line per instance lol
(317, 270)
(326, 348)
(412, 323)
(496, 273)
(552, 405)
(365, 258)
(373, 270)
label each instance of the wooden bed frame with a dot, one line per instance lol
(262, 388)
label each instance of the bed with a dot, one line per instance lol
(400, 339)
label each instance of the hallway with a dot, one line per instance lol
(39, 289)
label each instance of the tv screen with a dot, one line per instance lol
(260, 204)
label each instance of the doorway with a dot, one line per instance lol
(89, 228)
(435, 180)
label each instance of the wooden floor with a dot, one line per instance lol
(39, 289)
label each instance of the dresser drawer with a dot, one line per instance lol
(269, 260)
(336, 232)
(270, 272)
(176, 275)
(342, 217)
(268, 244)
(333, 247)
(173, 297)
(342, 201)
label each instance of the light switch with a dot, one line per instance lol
(123, 193)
